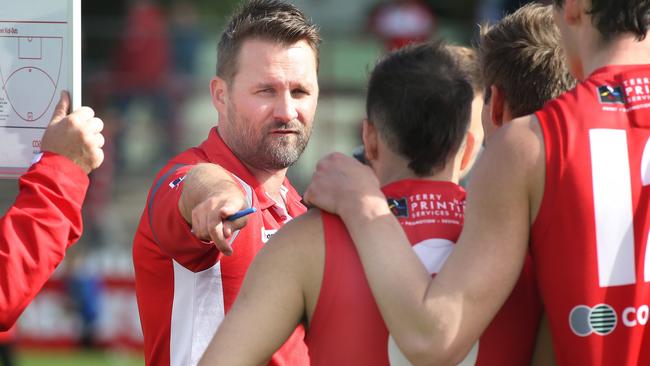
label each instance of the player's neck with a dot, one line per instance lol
(389, 173)
(622, 50)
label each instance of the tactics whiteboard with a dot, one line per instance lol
(40, 55)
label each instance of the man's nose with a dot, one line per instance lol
(285, 108)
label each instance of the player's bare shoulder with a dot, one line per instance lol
(520, 146)
(299, 243)
(302, 233)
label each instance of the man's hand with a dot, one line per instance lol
(209, 196)
(76, 136)
(209, 220)
(342, 185)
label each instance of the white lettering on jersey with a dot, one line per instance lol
(632, 316)
(612, 207)
(612, 191)
(645, 164)
(645, 176)
(267, 234)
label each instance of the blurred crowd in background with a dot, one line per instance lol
(146, 68)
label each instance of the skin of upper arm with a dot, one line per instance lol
(272, 300)
(487, 260)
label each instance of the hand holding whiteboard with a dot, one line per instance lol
(76, 136)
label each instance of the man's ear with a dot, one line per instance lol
(468, 150)
(572, 11)
(497, 101)
(370, 143)
(219, 93)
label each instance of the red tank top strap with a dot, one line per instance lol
(336, 252)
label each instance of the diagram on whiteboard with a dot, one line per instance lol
(32, 58)
(40, 56)
(30, 78)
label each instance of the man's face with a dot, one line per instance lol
(270, 103)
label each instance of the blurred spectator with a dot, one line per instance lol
(84, 290)
(7, 344)
(400, 22)
(97, 209)
(142, 59)
(141, 66)
(186, 37)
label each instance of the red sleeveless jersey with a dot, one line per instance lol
(590, 237)
(347, 327)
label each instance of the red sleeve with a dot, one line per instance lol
(44, 220)
(170, 230)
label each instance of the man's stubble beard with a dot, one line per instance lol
(261, 150)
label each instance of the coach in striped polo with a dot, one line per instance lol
(190, 261)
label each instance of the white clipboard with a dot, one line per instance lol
(40, 55)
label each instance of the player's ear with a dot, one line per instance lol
(219, 93)
(573, 9)
(496, 105)
(468, 149)
(370, 136)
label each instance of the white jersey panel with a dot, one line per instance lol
(197, 311)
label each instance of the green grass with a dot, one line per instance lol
(31, 357)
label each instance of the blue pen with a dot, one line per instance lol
(240, 214)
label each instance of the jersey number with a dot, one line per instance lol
(613, 206)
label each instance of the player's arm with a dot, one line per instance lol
(36, 231)
(543, 355)
(45, 219)
(437, 321)
(271, 302)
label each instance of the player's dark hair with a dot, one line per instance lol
(419, 100)
(271, 20)
(615, 17)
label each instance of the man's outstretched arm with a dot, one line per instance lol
(271, 302)
(437, 321)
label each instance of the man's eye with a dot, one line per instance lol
(299, 92)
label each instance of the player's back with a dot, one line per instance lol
(589, 238)
(346, 327)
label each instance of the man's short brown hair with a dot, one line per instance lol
(523, 57)
(271, 20)
(467, 59)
